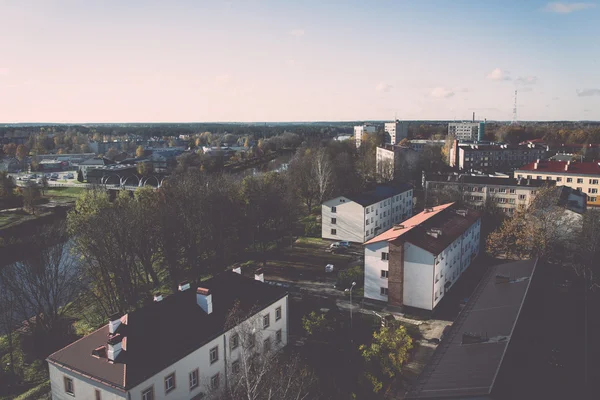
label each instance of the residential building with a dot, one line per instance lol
(583, 176)
(467, 131)
(392, 160)
(361, 217)
(360, 131)
(471, 355)
(175, 348)
(419, 145)
(395, 131)
(415, 263)
(494, 157)
(475, 190)
(92, 163)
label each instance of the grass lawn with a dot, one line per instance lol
(16, 217)
(63, 192)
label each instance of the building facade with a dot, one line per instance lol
(419, 145)
(582, 176)
(494, 157)
(360, 131)
(395, 131)
(415, 263)
(175, 348)
(359, 218)
(465, 131)
(391, 160)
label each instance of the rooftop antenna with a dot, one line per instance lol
(514, 119)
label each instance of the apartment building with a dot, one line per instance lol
(361, 217)
(475, 190)
(175, 348)
(494, 157)
(419, 145)
(414, 264)
(583, 176)
(360, 131)
(467, 131)
(395, 131)
(392, 159)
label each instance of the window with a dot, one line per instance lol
(569, 180)
(194, 379)
(214, 382)
(214, 354)
(521, 197)
(512, 191)
(511, 201)
(579, 180)
(334, 232)
(548, 178)
(384, 273)
(266, 321)
(559, 179)
(592, 199)
(333, 209)
(502, 190)
(234, 341)
(148, 394)
(69, 385)
(385, 256)
(593, 191)
(235, 367)
(277, 313)
(384, 291)
(593, 181)
(97, 394)
(267, 345)
(170, 383)
(367, 222)
(278, 336)
(368, 210)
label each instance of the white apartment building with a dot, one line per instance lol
(466, 131)
(175, 348)
(360, 130)
(414, 264)
(361, 217)
(395, 131)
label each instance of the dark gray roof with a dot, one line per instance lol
(488, 180)
(381, 192)
(162, 333)
(97, 161)
(459, 370)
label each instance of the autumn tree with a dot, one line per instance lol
(112, 153)
(145, 168)
(22, 152)
(140, 151)
(10, 149)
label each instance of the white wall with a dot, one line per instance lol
(84, 388)
(373, 266)
(418, 277)
(350, 223)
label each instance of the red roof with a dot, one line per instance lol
(581, 168)
(395, 233)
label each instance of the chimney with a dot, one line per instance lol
(259, 276)
(114, 346)
(237, 270)
(204, 299)
(566, 167)
(158, 297)
(535, 165)
(473, 116)
(183, 286)
(113, 323)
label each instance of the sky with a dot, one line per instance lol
(302, 60)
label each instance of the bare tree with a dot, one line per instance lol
(385, 170)
(323, 173)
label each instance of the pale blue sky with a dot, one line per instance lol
(253, 60)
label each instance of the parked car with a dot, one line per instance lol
(329, 268)
(334, 245)
(344, 244)
(53, 179)
(70, 176)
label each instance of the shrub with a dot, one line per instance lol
(354, 274)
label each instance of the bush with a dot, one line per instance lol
(354, 274)
(41, 391)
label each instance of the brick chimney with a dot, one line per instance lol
(204, 299)
(259, 276)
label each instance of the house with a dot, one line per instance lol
(471, 355)
(583, 176)
(177, 347)
(415, 263)
(361, 217)
(92, 163)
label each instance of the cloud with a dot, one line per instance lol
(587, 92)
(567, 8)
(383, 87)
(223, 79)
(442, 93)
(4, 71)
(498, 75)
(297, 32)
(526, 80)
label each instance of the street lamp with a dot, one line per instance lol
(350, 290)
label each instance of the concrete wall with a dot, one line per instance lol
(84, 388)
(418, 277)
(373, 267)
(350, 221)
(396, 274)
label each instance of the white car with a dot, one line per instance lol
(329, 268)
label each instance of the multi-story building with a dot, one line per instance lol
(415, 263)
(395, 131)
(182, 346)
(393, 159)
(359, 132)
(467, 131)
(419, 145)
(494, 157)
(507, 193)
(583, 176)
(361, 217)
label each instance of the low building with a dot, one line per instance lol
(117, 174)
(52, 165)
(415, 263)
(494, 157)
(92, 163)
(360, 131)
(359, 218)
(583, 176)
(180, 347)
(395, 131)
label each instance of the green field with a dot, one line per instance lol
(63, 192)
